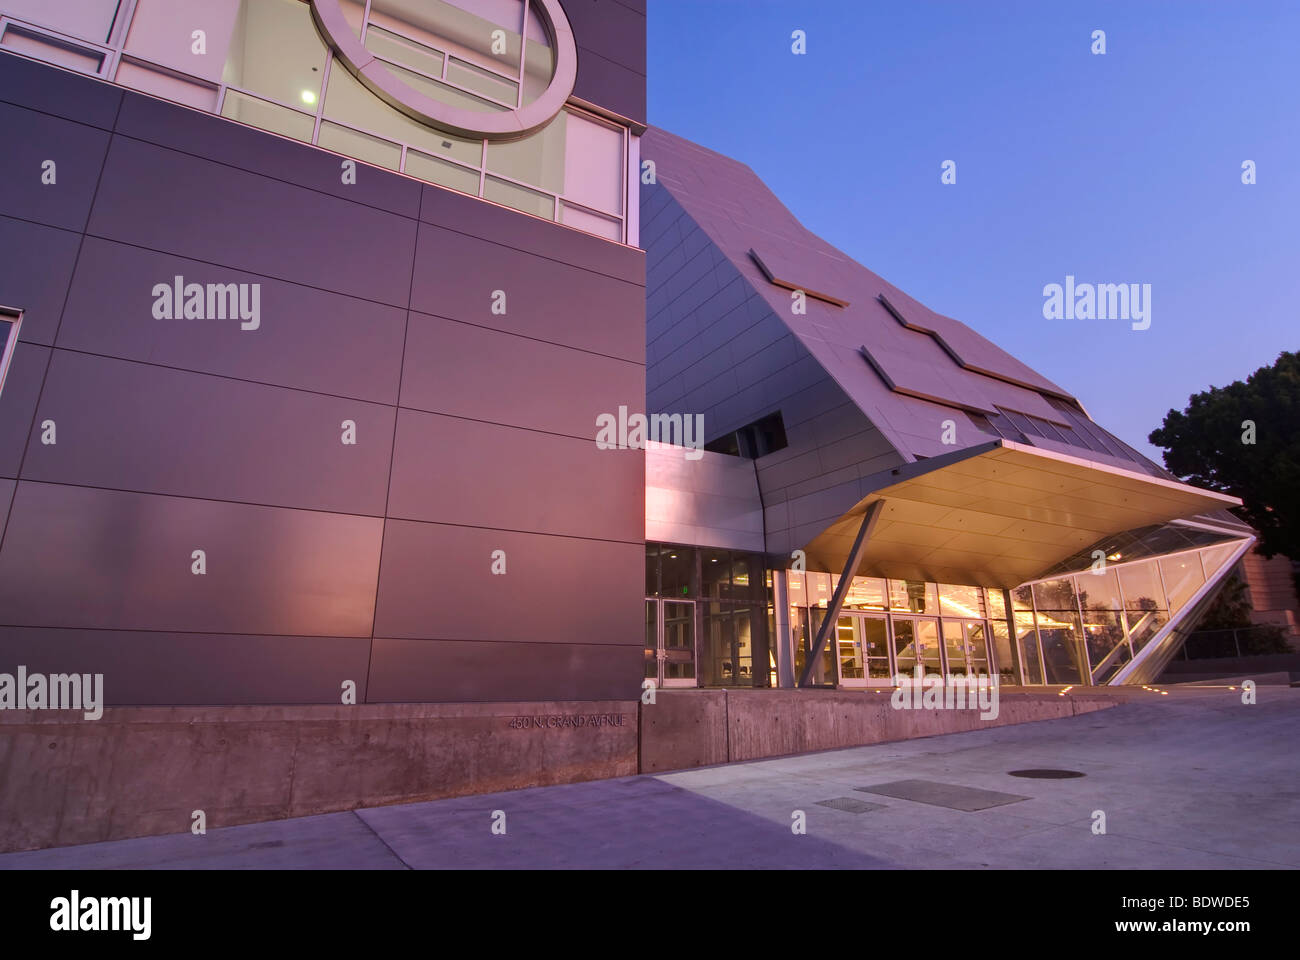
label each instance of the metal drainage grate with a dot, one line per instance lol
(850, 805)
(1045, 774)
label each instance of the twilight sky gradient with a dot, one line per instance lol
(1123, 168)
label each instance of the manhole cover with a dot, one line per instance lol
(1046, 774)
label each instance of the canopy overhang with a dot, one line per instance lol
(999, 514)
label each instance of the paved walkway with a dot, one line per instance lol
(1184, 782)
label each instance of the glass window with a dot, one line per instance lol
(167, 85)
(1144, 624)
(959, 601)
(273, 50)
(1215, 557)
(521, 198)
(819, 588)
(442, 172)
(1141, 585)
(1098, 591)
(1183, 577)
(652, 569)
(344, 140)
(803, 628)
(849, 644)
(1022, 598)
(997, 604)
(1054, 594)
(866, 593)
(1103, 632)
(913, 596)
(795, 581)
(88, 19)
(1027, 638)
(611, 228)
(1060, 635)
(267, 116)
(1008, 662)
(347, 101)
(678, 564)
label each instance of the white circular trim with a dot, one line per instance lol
(509, 125)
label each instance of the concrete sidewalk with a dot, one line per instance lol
(1185, 781)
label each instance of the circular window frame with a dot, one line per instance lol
(508, 125)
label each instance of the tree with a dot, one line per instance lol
(1244, 440)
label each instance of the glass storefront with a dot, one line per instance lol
(710, 621)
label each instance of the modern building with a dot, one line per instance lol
(311, 312)
(429, 209)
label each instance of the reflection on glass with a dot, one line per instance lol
(1103, 632)
(1022, 598)
(1141, 585)
(960, 601)
(1008, 661)
(1027, 638)
(803, 628)
(977, 652)
(866, 593)
(1183, 577)
(1054, 594)
(1098, 591)
(1059, 634)
(1143, 625)
(954, 643)
(997, 604)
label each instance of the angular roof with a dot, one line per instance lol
(904, 365)
(870, 383)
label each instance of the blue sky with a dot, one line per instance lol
(1122, 168)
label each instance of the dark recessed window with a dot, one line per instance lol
(753, 440)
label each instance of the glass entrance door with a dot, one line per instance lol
(966, 647)
(862, 650)
(916, 640)
(670, 642)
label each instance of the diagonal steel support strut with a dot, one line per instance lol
(837, 599)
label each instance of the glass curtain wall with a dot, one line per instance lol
(263, 63)
(729, 594)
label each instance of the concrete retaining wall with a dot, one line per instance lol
(682, 729)
(142, 771)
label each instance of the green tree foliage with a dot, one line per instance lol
(1208, 444)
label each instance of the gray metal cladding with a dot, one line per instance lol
(474, 430)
